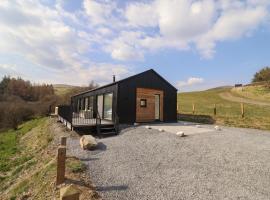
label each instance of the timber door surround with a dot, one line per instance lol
(149, 105)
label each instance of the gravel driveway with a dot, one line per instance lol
(148, 164)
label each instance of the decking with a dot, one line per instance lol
(86, 120)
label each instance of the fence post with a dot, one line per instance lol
(61, 165)
(215, 109)
(193, 108)
(242, 110)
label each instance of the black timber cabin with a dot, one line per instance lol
(144, 97)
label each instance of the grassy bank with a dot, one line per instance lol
(28, 164)
(228, 113)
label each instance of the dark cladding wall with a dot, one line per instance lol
(127, 96)
(108, 89)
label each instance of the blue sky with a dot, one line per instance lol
(195, 44)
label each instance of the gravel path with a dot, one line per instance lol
(147, 164)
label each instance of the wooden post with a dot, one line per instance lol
(242, 110)
(63, 141)
(193, 108)
(215, 109)
(61, 165)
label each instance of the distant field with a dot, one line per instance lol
(259, 92)
(61, 89)
(228, 112)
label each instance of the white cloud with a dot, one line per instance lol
(190, 82)
(126, 46)
(99, 12)
(44, 39)
(182, 23)
(141, 14)
(52, 38)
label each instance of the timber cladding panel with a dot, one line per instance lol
(147, 114)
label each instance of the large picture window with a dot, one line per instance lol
(91, 103)
(108, 101)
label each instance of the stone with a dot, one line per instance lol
(161, 130)
(180, 133)
(88, 142)
(198, 126)
(217, 128)
(70, 192)
(148, 127)
(136, 124)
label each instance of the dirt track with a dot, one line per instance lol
(228, 96)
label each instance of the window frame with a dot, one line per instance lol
(143, 105)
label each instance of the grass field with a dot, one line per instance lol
(259, 92)
(228, 113)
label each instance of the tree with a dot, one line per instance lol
(4, 85)
(262, 75)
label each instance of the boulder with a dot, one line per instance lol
(180, 133)
(88, 142)
(70, 192)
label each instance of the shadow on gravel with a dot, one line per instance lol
(101, 147)
(205, 119)
(111, 188)
(75, 182)
(88, 159)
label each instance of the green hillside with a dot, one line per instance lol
(62, 89)
(259, 92)
(228, 111)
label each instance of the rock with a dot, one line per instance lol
(70, 192)
(148, 127)
(161, 130)
(180, 133)
(217, 128)
(88, 142)
(198, 126)
(136, 124)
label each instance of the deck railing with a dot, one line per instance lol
(65, 112)
(83, 118)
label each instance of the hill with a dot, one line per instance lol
(253, 92)
(62, 89)
(228, 110)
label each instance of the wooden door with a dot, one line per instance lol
(149, 105)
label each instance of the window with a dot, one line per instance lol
(143, 103)
(86, 103)
(91, 103)
(108, 99)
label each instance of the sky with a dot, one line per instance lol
(194, 44)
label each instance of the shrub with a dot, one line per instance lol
(262, 75)
(15, 113)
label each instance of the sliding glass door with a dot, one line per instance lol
(108, 102)
(100, 105)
